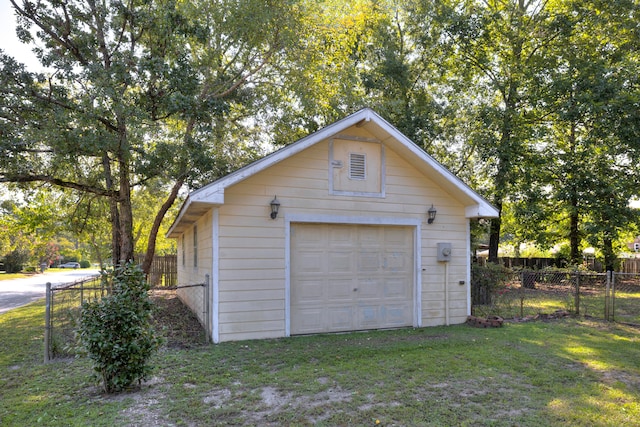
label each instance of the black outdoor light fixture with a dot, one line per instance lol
(275, 205)
(431, 214)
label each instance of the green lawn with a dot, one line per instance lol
(570, 372)
(6, 276)
(518, 303)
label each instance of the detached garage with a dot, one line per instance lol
(351, 228)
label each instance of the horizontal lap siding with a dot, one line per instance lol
(252, 254)
(251, 273)
(406, 186)
(193, 297)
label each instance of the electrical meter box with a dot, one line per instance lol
(444, 252)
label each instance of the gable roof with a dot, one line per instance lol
(200, 201)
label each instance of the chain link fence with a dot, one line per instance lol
(625, 298)
(527, 294)
(172, 318)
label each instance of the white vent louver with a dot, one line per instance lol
(357, 166)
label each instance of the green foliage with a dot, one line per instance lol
(154, 92)
(85, 264)
(116, 332)
(15, 260)
(535, 104)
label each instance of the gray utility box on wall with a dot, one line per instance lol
(444, 252)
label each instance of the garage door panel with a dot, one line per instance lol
(370, 234)
(395, 288)
(368, 261)
(350, 277)
(369, 288)
(368, 316)
(341, 261)
(395, 236)
(396, 315)
(339, 290)
(397, 261)
(311, 261)
(340, 318)
(308, 291)
(309, 236)
(308, 319)
(341, 237)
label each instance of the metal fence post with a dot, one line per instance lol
(606, 295)
(577, 297)
(612, 309)
(47, 323)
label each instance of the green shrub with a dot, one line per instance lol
(486, 280)
(15, 260)
(116, 332)
(85, 264)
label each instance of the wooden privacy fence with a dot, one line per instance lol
(630, 265)
(164, 270)
(533, 263)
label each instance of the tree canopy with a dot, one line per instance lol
(534, 103)
(138, 92)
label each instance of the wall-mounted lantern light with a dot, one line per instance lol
(275, 206)
(431, 214)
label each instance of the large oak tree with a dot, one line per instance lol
(135, 91)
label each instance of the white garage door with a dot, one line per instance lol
(350, 277)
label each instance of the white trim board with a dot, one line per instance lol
(215, 277)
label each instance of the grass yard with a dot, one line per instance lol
(568, 372)
(626, 307)
(11, 276)
(518, 302)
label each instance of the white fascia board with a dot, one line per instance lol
(176, 221)
(213, 196)
(481, 211)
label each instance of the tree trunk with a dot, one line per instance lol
(609, 255)
(494, 234)
(575, 257)
(126, 215)
(113, 211)
(124, 194)
(151, 246)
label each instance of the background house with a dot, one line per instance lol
(351, 247)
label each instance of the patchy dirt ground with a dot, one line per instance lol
(181, 329)
(178, 324)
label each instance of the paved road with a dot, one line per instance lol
(18, 292)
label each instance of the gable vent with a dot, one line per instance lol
(357, 166)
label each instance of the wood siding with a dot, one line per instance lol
(193, 297)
